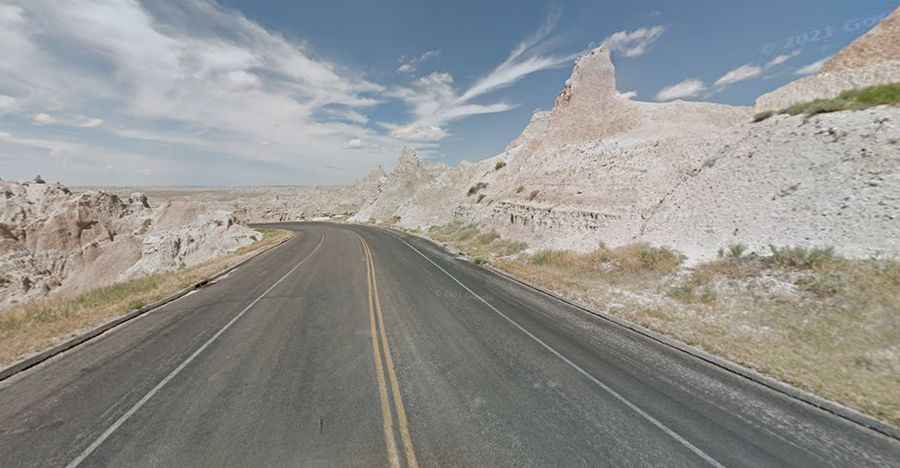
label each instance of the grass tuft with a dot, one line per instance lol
(759, 117)
(801, 258)
(857, 99)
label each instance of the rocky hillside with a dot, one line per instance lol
(872, 59)
(600, 168)
(53, 240)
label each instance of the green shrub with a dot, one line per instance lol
(763, 116)
(499, 165)
(477, 188)
(801, 258)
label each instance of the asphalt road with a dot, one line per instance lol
(352, 346)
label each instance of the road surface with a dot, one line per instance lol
(353, 346)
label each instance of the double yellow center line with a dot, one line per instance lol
(379, 341)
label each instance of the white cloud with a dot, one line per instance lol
(414, 132)
(410, 64)
(525, 59)
(184, 65)
(7, 104)
(684, 89)
(741, 73)
(68, 121)
(349, 115)
(634, 43)
(629, 94)
(780, 59)
(812, 68)
(355, 143)
(91, 123)
(434, 100)
(43, 119)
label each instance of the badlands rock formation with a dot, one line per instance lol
(872, 59)
(694, 176)
(267, 205)
(54, 240)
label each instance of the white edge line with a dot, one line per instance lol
(578, 368)
(122, 419)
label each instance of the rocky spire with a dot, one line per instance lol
(589, 106)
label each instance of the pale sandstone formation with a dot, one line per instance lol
(872, 59)
(694, 176)
(206, 236)
(278, 204)
(54, 240)
(877, 45)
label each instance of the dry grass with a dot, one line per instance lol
(805, 316)
(483, 246)
(38, 325)
(629, 259)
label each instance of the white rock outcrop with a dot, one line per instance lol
(600, 168)
(54, 240)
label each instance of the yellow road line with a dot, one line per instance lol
(411, 461)
(388, 424)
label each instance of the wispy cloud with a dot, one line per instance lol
(43, 119)
(635, 43)
(435, 101)
(780, 59)
(812, 68)
(7, 104)
(79, 121)
(741, 73)
(683, 89)
(91, 123)
(411, 64)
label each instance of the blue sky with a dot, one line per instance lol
(237, 92)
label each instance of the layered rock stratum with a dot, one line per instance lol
(54, 240)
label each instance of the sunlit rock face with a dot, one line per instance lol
(601, 168)
(54, 240)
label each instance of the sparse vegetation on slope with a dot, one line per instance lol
(803, 315)
(38, 325)
(857, 99)
(481, 245)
